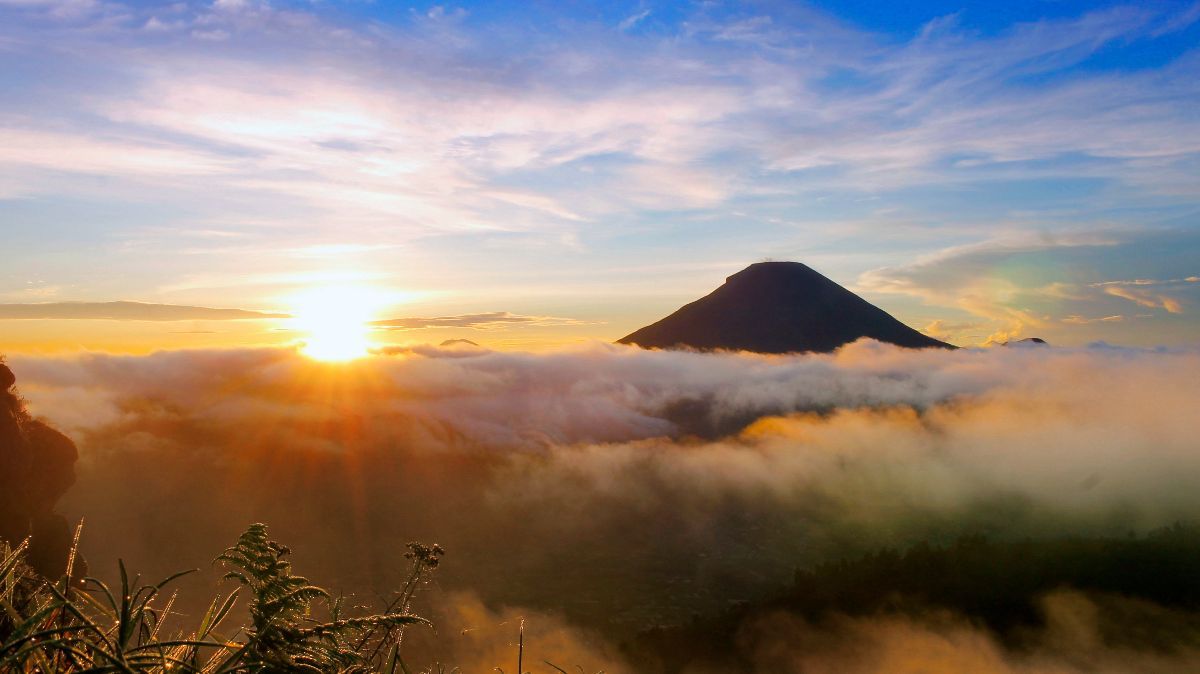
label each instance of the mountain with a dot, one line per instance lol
(778, 307)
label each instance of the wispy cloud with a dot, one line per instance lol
(1081, 320)
(485, 321)
(126, 311)
(633, 19)
(1144, 298)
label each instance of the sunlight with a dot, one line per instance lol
(335, 320)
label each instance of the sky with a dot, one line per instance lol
(530, 175)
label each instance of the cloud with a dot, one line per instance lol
(26, 149)
(940, 329)
(633, 19)
(414, 127)
(1146, 293)
(478, 638)
(1019, 283)
(126, 311)
(62, 10)
(1145, 299)
(1077, 637)
(668, 482)
(1081, 320)
(485, 321)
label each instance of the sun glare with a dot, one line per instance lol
(335, 321)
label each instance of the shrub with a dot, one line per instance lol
(78, 626)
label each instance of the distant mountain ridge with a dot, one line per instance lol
(1028, 341)
(778, 307)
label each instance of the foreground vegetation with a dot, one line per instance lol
(82, 625)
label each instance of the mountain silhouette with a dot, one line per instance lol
(1028, 341)
(778, 307)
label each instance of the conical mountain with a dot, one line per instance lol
(778, 307)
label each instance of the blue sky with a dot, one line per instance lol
(983, 171)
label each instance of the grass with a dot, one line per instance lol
(82, 625)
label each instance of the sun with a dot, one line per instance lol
(335, 321)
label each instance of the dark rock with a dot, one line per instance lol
(37, 466)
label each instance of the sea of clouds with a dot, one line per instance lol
(617, 488)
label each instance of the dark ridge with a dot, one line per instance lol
(458, 342)
(778, 307)
(37, 466)
(1028, 341)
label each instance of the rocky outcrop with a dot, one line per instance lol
(37, 466)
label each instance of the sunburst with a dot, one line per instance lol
(335, 321)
